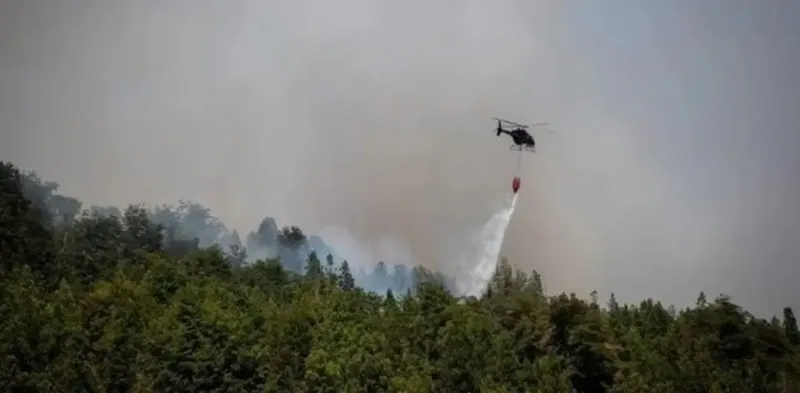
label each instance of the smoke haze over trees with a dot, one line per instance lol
(107, 299)
(189, 226)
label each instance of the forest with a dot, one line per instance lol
(166, 299)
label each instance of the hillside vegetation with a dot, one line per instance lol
(101, 302)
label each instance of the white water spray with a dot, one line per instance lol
(480, 262)
(492, 235)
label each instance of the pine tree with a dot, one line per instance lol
(346, 278)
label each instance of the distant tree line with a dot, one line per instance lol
(189, 226)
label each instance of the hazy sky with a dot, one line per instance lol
(673, 166)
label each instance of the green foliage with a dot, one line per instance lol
(112, 303)
(25, 238)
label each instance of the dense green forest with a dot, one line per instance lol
(97, 300)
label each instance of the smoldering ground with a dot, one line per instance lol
(375, 117)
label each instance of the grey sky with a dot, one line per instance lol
(674, 165)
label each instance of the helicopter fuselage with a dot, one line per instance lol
(520, 137)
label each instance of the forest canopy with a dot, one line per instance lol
(167, 299)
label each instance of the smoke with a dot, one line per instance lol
(373, 117)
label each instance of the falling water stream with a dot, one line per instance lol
(492, 235)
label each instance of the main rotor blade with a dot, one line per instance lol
(523, 126)
(510, 122)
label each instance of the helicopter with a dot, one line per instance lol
(523, 140)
